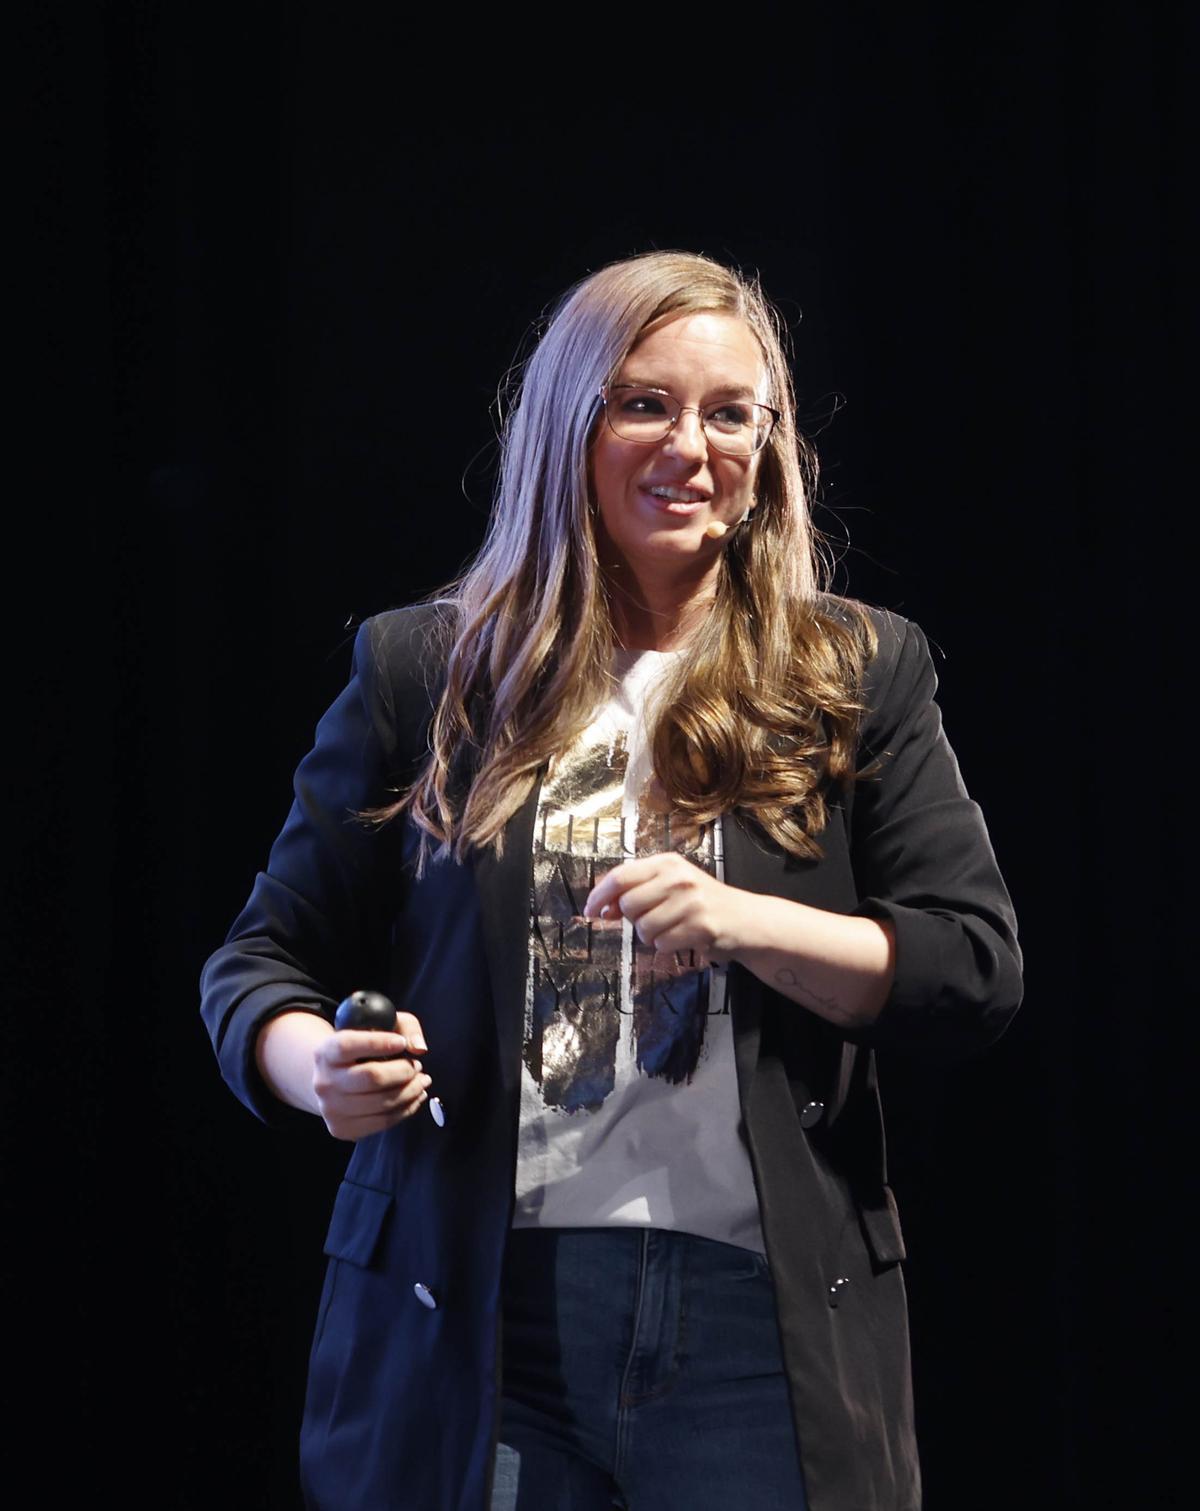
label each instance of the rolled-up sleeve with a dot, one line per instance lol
(924, 863)
(316, 923)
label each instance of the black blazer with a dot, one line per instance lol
(403, 1397)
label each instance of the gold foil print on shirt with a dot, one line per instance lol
(584, 974)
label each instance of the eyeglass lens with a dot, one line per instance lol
(644, 414)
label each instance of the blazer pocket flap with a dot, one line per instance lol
(356, 1226)
(881, 1225)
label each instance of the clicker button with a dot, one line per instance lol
(425, 1296)
(437, 1112)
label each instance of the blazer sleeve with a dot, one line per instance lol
(317, 921)
(923, 861)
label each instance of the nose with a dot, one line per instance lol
(686, 437)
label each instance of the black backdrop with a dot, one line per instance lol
(259, 243)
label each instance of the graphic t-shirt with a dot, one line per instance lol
(629, 1105)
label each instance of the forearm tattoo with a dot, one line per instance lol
(828, 1007)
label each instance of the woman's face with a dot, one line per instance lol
(654, 503)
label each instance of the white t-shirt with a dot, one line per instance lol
(629, 1105)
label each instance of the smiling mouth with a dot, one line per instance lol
(677, 495)
(682, 502)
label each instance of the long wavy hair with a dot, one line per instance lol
(761, 711)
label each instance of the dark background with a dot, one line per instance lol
(259, 245)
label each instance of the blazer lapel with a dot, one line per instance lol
(505, 883)
(755, 865)
(749, 867)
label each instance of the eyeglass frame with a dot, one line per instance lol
(606, 388)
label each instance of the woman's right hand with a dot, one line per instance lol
(310, 1065)
(356, 1098)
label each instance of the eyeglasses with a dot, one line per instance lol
(734, 427)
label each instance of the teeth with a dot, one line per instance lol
(677, 495)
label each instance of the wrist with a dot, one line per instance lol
(747, 925)
(284, 1051)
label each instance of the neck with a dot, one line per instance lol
(653, 613)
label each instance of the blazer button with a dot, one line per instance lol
(836, 1289)
(425, 1296)
(811, 1114)
(437, 1112)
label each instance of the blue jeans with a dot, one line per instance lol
(641, 1369)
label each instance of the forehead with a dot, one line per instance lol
(707, 348)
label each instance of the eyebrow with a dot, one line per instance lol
(721, 391)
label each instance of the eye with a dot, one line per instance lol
(641, 401)
(730, 416)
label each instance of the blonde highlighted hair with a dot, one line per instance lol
(762, 709)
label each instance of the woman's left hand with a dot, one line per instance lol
(839, 966)
(673, 904)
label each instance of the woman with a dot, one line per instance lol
(651, 843)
